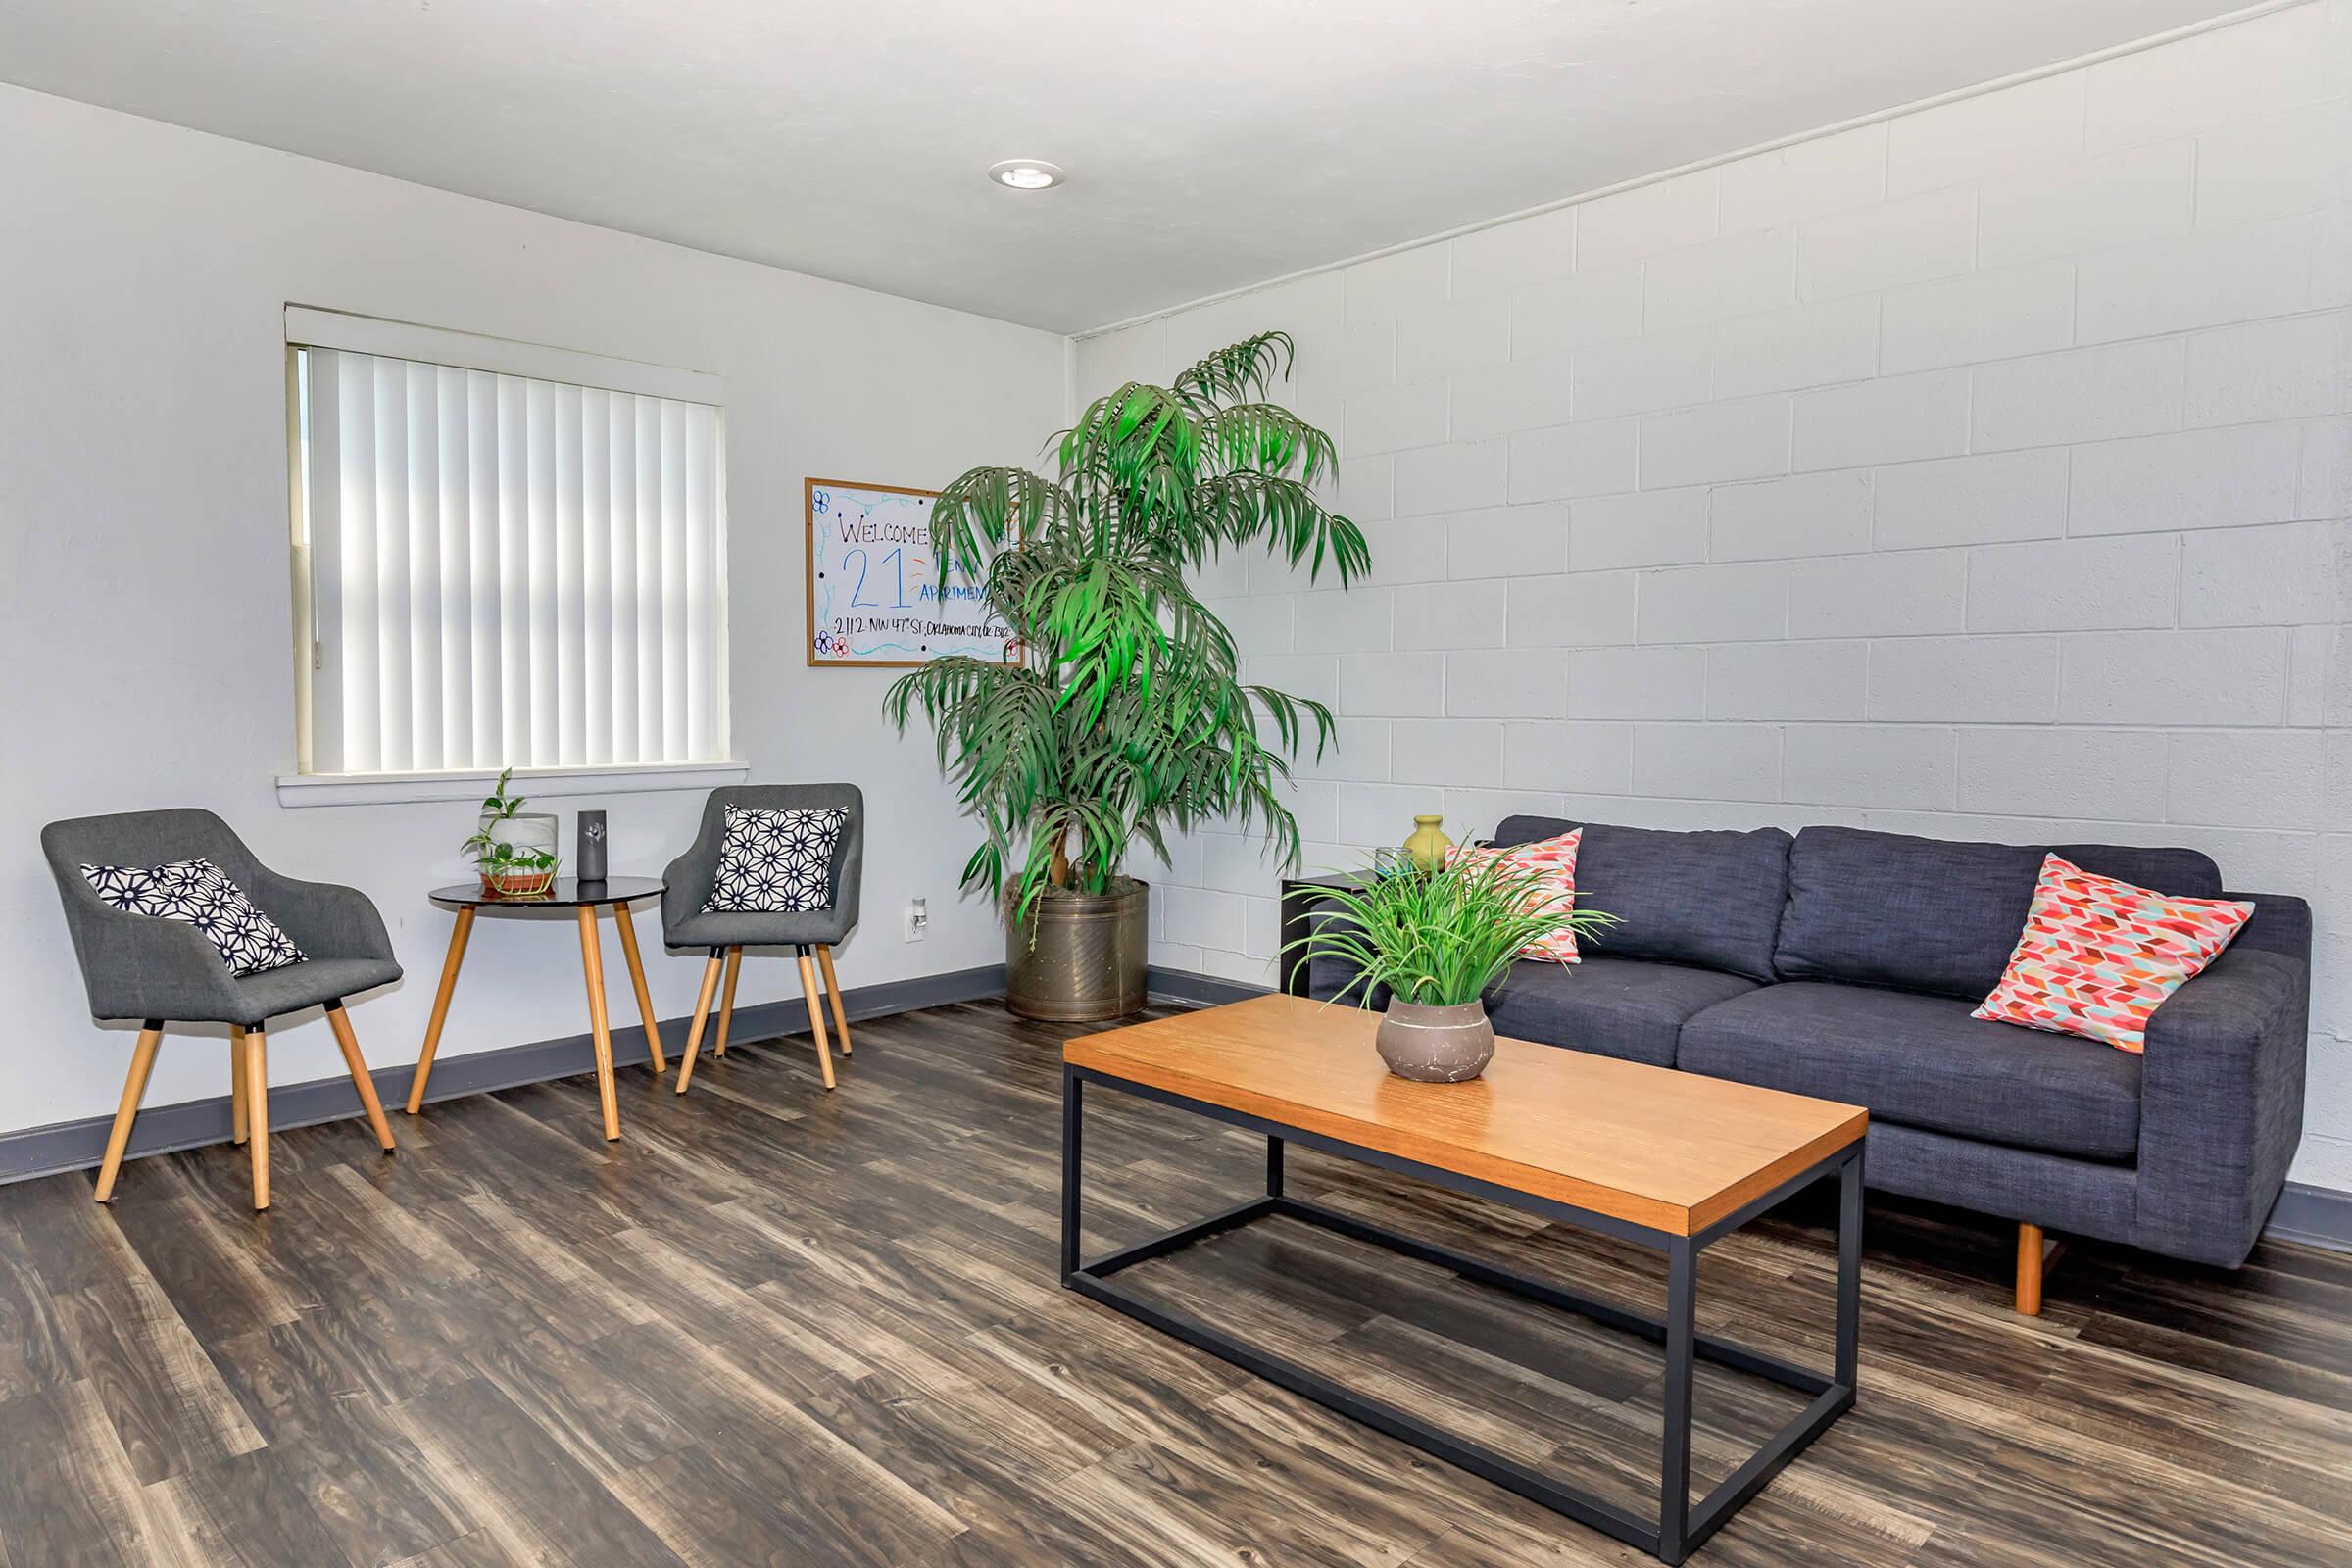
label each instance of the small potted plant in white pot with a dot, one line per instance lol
(1436, 941)
(513, 851)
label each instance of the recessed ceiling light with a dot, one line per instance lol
(1026, 173)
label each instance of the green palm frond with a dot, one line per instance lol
(1241, 508)
(1269, 439)
(1125, 719)
(1245, 370)
(984, 508)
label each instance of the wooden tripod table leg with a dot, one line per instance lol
(341, 1023)
(645, 998)
(432, 1029)
(592, 960)
(134, 1086)
(841, 1024)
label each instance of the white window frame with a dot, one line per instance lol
(312, 328)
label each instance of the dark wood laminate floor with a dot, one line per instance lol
(777, 1327)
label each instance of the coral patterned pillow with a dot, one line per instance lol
(2100, 955)
(1554, 860)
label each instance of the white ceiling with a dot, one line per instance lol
(1209, 145)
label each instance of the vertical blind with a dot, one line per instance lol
(507, 570)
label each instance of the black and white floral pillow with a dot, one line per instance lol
(775, 862)
(200, 893)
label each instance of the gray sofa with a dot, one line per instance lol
(1843, 963)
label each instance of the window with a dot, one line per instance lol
(505, 556)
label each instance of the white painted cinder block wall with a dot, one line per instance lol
(1980, 472)
(147, 637)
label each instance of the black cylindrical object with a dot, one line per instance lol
(590, 865)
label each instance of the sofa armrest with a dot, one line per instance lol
(325, 919)
(2222, 1105)
(2281, 924)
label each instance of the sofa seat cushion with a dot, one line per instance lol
(1936, 914)
(1626, 1008)
(1922, 1061)
(1706, 898)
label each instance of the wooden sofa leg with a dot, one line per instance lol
(2034, 1253)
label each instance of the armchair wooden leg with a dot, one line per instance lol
(257, 1110)
(816, 1017)
(726, 1002)
(340, 1022)
(134, 1088)
(841, 1023)
(702, 1010)
(433, 1028)
(645, 998)
(600, 1029)
(238, 1116)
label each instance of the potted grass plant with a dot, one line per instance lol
(1433, 943)
(513, 851)
(1119, 717)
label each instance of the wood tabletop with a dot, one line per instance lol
(1670, 1150)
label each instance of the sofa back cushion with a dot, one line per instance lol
(1711, 899)
(1936, 914)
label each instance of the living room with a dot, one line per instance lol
(1544, 783)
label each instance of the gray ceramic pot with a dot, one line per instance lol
(1436, 1045)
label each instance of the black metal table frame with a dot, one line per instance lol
(1681, 1527)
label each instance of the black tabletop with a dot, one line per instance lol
(568, 893)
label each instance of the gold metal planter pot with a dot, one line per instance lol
(1087, 959)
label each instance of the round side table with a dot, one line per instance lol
(568, 893)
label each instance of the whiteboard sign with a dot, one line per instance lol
(874, 594)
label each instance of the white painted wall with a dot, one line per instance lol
(145, 629)
(1982, 473)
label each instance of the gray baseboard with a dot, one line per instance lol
(1182, 985)
(81, 1144)
(2316, 1216)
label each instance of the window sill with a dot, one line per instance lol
(384, 789)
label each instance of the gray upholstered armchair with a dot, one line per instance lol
(686, 887)
(152, 970)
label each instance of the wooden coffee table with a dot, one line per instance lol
(1668, 1160)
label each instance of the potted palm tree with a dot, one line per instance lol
(1118, 717)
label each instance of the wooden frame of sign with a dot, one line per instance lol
(809, 644)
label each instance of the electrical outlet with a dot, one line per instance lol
(918, 919)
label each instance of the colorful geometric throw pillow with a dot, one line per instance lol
(2100, 955)
(1554, 861)
(201, 894)
(776, 863)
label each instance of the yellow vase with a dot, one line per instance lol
(1427, 846)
